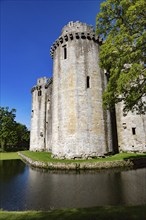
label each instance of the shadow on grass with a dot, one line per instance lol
(99, 213)
(139, 161)
(135, 157)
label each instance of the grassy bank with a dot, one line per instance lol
(46, 157)
(9, 156)
(102, 213)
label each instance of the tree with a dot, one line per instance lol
(7, 127)
(13, 136)
(122, 25)
(22, 136)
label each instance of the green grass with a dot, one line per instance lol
(96, 213)
(9, 156)
(46, 157)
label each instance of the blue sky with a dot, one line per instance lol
(28, 29)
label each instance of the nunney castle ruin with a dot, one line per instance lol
(67, 114)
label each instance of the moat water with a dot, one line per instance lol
(24, 188)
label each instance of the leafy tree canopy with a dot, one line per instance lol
(122, 25)
(13, 136)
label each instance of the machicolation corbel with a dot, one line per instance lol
(66, 37)
(71, 36)
(61, 40)
(83, 35)
(77, 36)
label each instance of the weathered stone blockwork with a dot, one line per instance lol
(78, 120)
(67, 114)
(131, 131)
(41, 116)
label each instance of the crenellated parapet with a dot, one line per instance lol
(75, 31)
(35, 88)
(74, 26)
(49, 82)
(42, 83)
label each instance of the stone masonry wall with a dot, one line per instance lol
(78, 121)
(131, 131)
(39, 138)
(49, 116)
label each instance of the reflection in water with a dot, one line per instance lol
(134, 186)
(27, 188)
(13, 178)
(8, 169)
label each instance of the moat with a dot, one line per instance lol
(24, 188)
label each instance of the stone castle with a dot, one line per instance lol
(67, 114)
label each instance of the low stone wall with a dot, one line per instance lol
(77, 165)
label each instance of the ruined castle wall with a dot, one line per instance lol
(34, 121)
(131, 131)
(38, 137)
(78, 121)
(49, 117)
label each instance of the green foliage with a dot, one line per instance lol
(122, 23)
(7, 127)
(13, 135)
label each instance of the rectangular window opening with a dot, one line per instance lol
(134, 131)
(39, 93)
(88, 82)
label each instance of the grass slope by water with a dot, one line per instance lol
(9, 156)
(102, 213)
(46, 157)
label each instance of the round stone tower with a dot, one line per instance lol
(79, 127)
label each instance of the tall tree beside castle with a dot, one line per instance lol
(13, 135)
(122, 24)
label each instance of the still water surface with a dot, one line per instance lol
(24, 188)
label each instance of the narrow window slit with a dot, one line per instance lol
(65, 53)
(88, 82)
(134, 131)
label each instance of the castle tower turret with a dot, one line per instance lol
(41, 124)
(78, 120)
